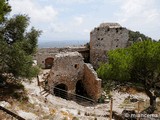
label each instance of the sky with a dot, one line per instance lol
(74, 19)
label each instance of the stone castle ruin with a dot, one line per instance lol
(71, 70)
(71, 74)
(45, 56)
(108, 36)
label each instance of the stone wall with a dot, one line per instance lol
(91, 82)
(68, 68)
(108, 36)
(41, 57)
(44, 53)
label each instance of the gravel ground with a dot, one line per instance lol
(56, 108)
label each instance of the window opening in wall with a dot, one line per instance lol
(116, 30)
(117, 40)
(120, 28)
(76, 66)
(60, 90)
(116, 45)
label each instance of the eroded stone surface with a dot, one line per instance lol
(91, 82)
(107, 36)
(44, 53)
(68, 69)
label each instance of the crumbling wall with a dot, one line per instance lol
(91, 82)
(44, 53)
(68, 68)
(108, 36)
(41, 57)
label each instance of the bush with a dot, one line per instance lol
(101, 99)
(75, 118)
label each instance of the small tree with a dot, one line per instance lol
(4, 10)
(139, 63)
(136, 36)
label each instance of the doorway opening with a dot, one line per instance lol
(60, 90)
(49, 62)
(80, 90)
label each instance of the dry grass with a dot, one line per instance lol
(142, 105)
(67, 114)
(53, 111)
(13, 90)
(4, 116)
(131, 90)
(158, 108)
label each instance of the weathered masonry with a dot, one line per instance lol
(107, 36)
(70, 68)
(71, 74)
(45, 56)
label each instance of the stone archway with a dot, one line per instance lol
(80, 90)
(49, 62)
(60, 90)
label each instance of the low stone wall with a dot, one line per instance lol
(91, 82)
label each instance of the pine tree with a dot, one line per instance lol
(17, 44)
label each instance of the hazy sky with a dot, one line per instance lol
(74, 19)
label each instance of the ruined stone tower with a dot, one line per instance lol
(107, 36)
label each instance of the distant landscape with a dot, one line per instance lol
(64, 43)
